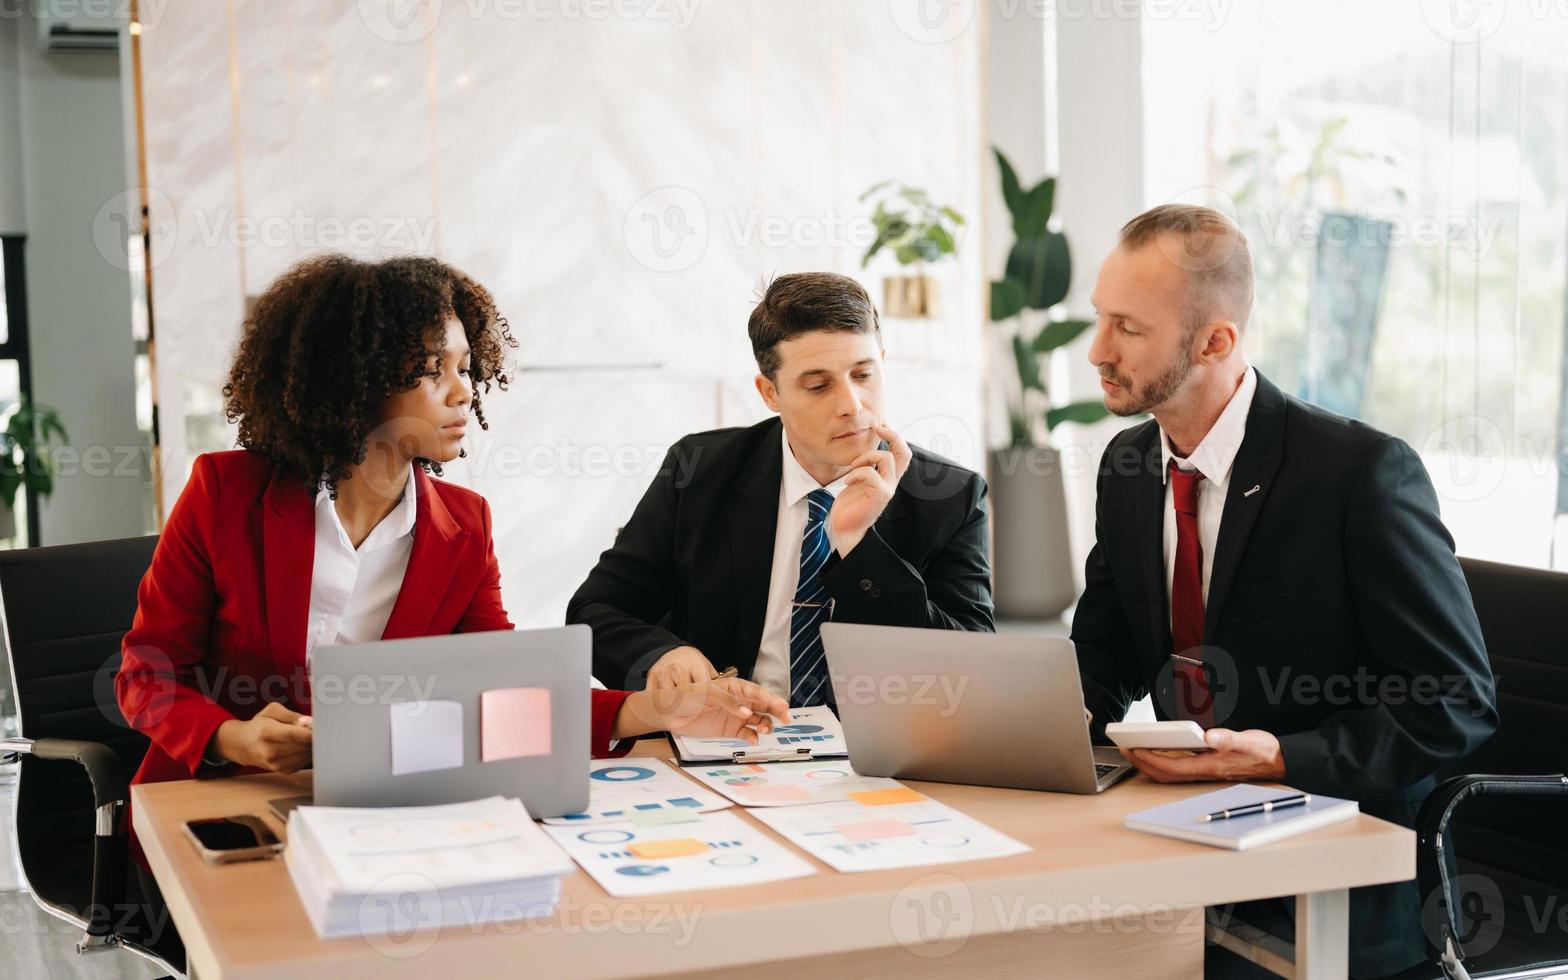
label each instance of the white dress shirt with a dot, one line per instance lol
(772, 670)
(352, 591)
(1213, 457)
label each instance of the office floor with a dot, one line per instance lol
(36, 945)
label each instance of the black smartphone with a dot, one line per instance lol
(223, 840)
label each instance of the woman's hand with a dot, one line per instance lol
(276, 739)
(725, 707)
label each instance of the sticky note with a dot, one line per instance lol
(882, 797)
(875, 829)
(773, 794)
(514, 722)
(657, 850)
(426, 735)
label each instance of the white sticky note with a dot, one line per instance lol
(426, 735)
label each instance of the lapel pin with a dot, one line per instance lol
(1255, 488)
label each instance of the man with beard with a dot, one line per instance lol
(1277, 573)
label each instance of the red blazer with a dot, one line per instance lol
(229, 593)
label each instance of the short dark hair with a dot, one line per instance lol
(805, 301)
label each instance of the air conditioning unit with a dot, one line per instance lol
(78, 33)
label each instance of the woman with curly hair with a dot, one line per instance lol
(352, 383)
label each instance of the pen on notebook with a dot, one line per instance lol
(1266, 806)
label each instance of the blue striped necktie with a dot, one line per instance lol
(808, 667)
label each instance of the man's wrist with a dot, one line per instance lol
(844, 544)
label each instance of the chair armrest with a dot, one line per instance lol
(110, 841)
(1432, 828)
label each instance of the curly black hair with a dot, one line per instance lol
(333, 338)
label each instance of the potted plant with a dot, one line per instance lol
(1033, 560)
(917, 231)
(24, 459)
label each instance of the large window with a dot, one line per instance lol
(1402, 173)
(18, 523)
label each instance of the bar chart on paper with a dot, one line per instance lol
(814, 730)
(642, 791)
(883, 829)
(788, 783)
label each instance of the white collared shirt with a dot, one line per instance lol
(772, 670)
(1214, 457)
(352, 591)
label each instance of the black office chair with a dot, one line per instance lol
(1505, 820)
(64, 611)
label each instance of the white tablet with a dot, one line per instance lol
(1157, 735)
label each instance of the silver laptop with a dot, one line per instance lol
(355, 690)
(957, 707)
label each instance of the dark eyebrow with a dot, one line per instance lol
(824, 371)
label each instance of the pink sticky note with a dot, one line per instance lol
(772, 794)
(875, 829)
(513, 722)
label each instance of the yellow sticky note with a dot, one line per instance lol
(882, 797)
(656, 850)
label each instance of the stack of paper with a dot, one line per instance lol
(374, 870)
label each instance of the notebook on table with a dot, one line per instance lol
(1183, 819)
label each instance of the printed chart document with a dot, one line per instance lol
(708, 850)
(374, 870)
(884, 829)
(788, 783)
(639, 790)
(812, 733)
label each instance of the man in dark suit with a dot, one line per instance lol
(1271, 570)
(750, 538)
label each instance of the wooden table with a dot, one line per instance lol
(1090, 899)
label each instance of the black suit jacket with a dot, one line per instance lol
(1337, 619)
(693, 565)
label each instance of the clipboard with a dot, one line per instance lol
(812, 733)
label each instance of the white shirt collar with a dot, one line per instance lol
(396, 525)
(1214, 456)
(797, 482)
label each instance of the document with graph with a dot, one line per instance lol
(702, 850)
(887, 829)
(788, 783)
(812, 733)
(640, 790)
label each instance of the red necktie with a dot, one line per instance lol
(1192, 690)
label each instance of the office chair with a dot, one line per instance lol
(63, 612)
(1504, 809)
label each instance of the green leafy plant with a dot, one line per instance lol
(1039, 272)
(909, 223)
(24, 442)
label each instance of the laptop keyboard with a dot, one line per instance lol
(1102, 769)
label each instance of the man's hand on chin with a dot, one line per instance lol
(1233, 757)
(873, 478)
